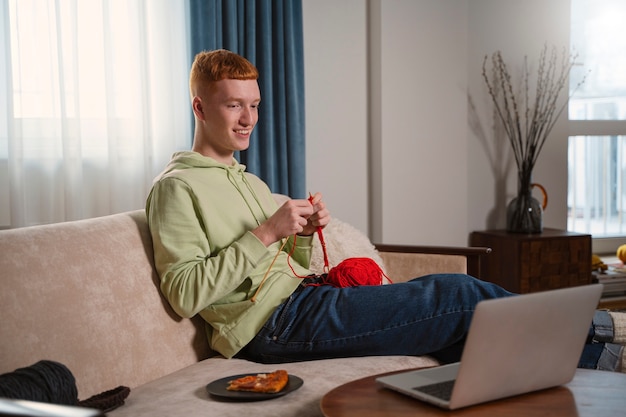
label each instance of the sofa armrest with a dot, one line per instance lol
(403, 262)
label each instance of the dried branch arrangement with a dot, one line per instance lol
(528, 119)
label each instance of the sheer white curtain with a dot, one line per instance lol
(96, 102)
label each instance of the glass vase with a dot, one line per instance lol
(524, 213)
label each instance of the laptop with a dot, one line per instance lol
(515, 345)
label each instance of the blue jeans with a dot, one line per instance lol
(599, 352)
(429, 315)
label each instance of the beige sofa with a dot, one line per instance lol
(85, 294)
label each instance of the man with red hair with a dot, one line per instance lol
(222, 249)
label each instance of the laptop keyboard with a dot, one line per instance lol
(441, 390)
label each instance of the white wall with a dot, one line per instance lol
(335, 46)
(516, 29)
(423, 114)
(388, 123)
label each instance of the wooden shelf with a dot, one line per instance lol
(524, 263)
(613, 303)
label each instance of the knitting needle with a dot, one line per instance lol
(322, 242)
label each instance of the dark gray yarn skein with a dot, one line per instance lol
(45, 381)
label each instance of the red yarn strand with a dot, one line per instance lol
(289, 259)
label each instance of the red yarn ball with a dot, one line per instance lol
(353, 272)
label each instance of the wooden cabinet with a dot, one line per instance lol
(524, 263)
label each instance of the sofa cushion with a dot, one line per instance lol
(403, 267)
(184, 394)
(85, 294)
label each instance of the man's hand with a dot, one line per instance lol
(320, 216)
(294, 217)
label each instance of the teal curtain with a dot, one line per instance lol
(269, 34)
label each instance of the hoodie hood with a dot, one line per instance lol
(191, 167)
(189, 159)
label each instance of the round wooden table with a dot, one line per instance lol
(590, 393)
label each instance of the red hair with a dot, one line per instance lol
(220, 64)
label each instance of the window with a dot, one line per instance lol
(94, 101)
(597, 114)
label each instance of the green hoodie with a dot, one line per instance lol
(201, 213)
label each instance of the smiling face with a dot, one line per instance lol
(226, 113)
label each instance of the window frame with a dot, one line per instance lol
(601, 245)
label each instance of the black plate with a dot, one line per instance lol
(218, 389)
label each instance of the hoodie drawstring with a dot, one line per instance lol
(253, 299)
